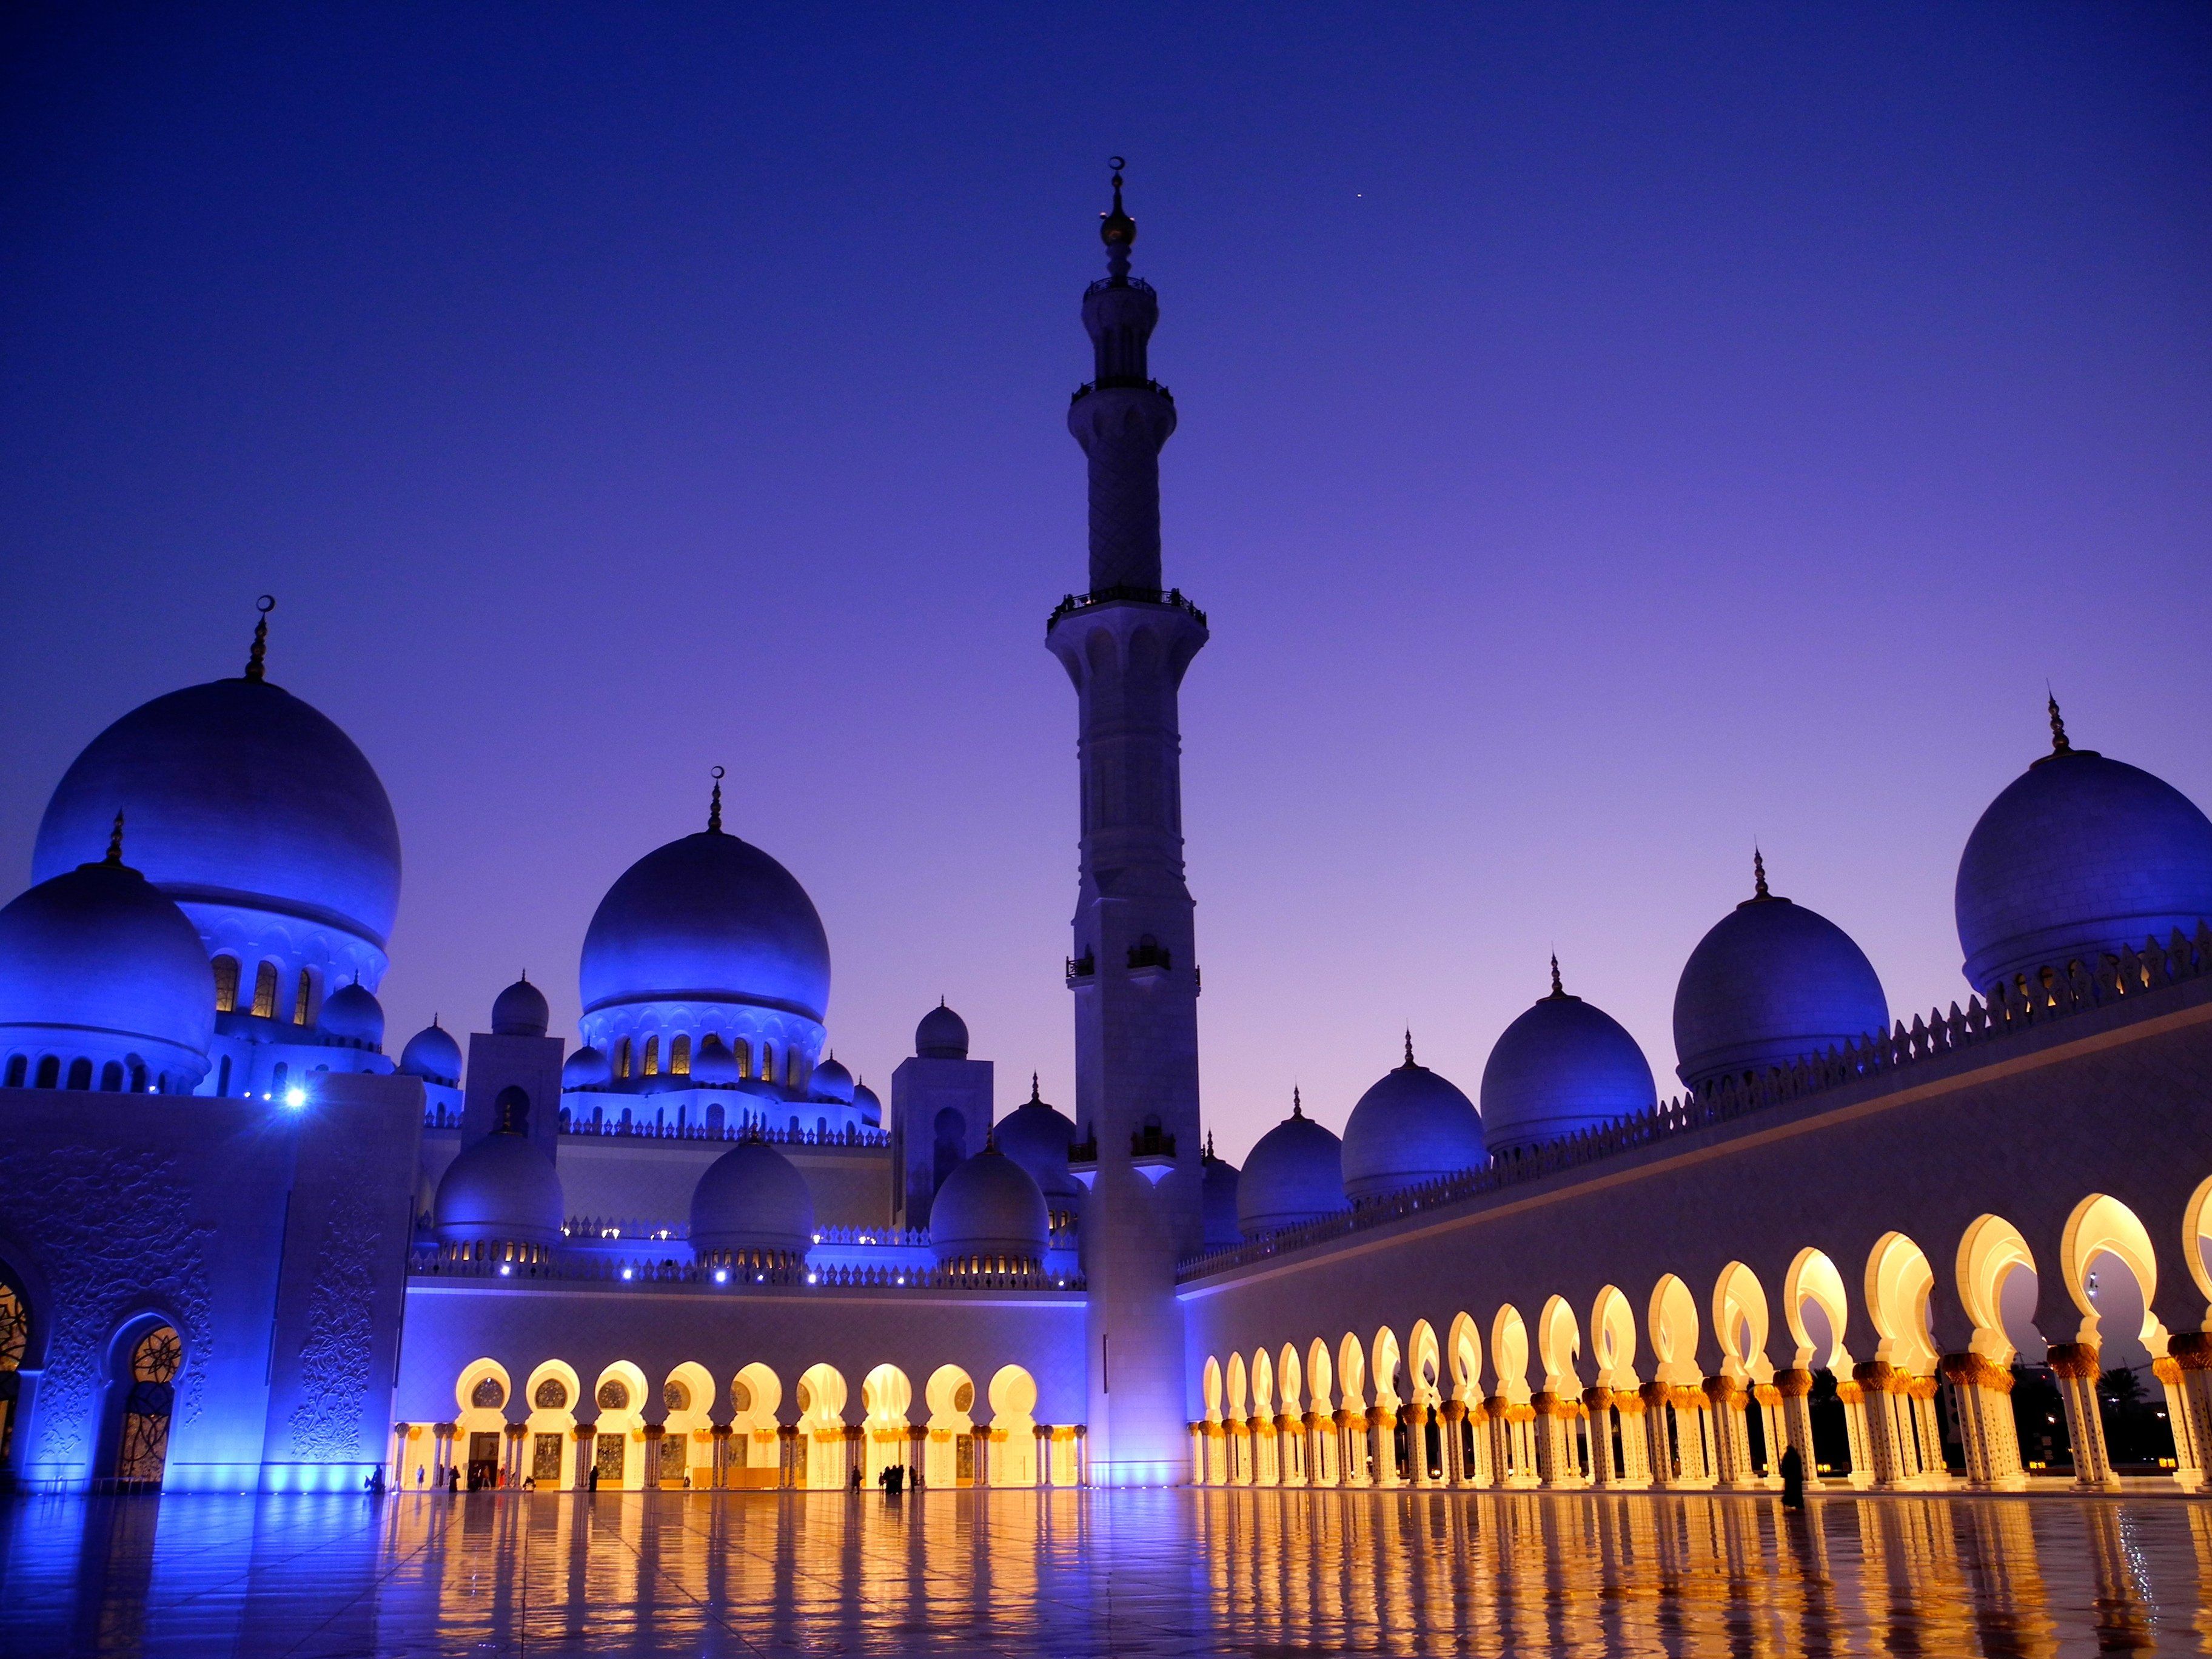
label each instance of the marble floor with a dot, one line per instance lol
(1136, 1573)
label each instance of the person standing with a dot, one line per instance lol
(1793, 1478)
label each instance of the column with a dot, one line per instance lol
(653, 1434)
(1635, 1439)
(1291, 1448)
(1795, 1389)
(511, 1471)
(1767, 1400)
(1935, 1472)
(587, 1441)
(721, 1474)
(400, 1434)
(1731, 1427)
(1557, 1467)
(1858, 1431)
(1452, 1429)
(1321, 1467)
(1351, 1447)
(1382, 1445)
(444, 1461)
(2076, 1365)
(787, 1455)
(1198, 1471)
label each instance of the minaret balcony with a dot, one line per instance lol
(1152, 1153)
(1116, 383)
(1082, 969)
(1072, 604)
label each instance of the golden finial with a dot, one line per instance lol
(1116, 227)
(714, 806)
(115, 840)
(1297, 1106)
(1558, 988)
(257, 658)
(2058, 743)
(1036, 1099)
(1409, 1045)
(1758, 874)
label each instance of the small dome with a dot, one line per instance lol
(96, 964)
(587, 1068)
(1562, 1068)
(502, 1190)
(1217, 1186)
(1412, 1127)
(831, 1081)
(942, 1034)
(2079, 856)
(242, 796)
(706, 918)
(432, 1056)
(751, 1201)
(1037, 1137)
(989, 1207)
(352, 1014)
(870, 1107)
(1293, 1174)
(521, 1010)
(713, 1065)
(1773, 983)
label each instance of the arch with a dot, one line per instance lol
(755, 1392)
(264, 990)
(1424, 1367)
(1463, 1342)
(1991, 1251)
(619, 1394)
(1351, 1374)
(473, 1388)
(1899, 1283)
(1013, 1427)
(2102, 1225)
(1209, 1385)
(821, 1401)
(1558, 1345)
(146, 1358)
(1509, 1353)
(1612, 1338)
(1741, 1323)
(226, 983)
(510, 1110)
(1320, 1375)
(886, 1394)
(949, 1460)
(1672, 1320)
(679, 1055)
(1290, 1379)
(1262, 1374)
(80, 1072)
(1813, 1277)
(1384, 1373)
(687, 1428)
(1234, 1389)
(551, 1396)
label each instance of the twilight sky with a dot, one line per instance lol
(1609, 434)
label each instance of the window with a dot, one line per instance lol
(510, 1112)
(552, 1395)
(303, 998)
(223, 1077)
(111, 1078)
(679, 1057)
(226, 985)
(19, 1067)
(744, 1050)
(621, 1058)
(614, 1395)
(277, 1076)
(15, 1344)
(137, 1076)
(143, 1446)
(652, 1056)
(488, 1394)
(767, 1063)
(50, 1071)
(264, 990)
(791, 1063)
(80, 1075)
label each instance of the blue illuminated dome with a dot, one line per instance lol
(1293, 1174)
(502, 1190)
(351, 1015)
(432, 1056)
(1218, 1188)
(587, 1069)
(1770, 984)
(1037, 1136)
(869, 1105)
(942, 1034)
(255, 813)
(104, 983)
(830, 1081)
(989, 1211)
(521, 1010)
(753, 1206)
(1562, 1068)
(714, 1066)
(2079, 857)
(1412, 1127)
(708, 933)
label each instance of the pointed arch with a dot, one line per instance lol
(1558, 1345)
(1899, 1283)
(1424, 1370)
(1509, 1353)
(1991, 1252)
(1813, 1277)
(1740, 1324)
(2102, 1225)
(1612, 1338)
(1672, 1320)
(1463, 1343)
(1384, 1374)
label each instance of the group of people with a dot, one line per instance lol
(893, 1479)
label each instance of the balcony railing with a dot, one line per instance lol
(1071, 602)
(1132, 385)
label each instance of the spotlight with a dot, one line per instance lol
(295, 1098)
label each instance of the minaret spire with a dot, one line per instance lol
(715, 805)
(2058, 743)
(1297, 1106)
(1559, 989)
(1409, 1048)
(115, 840)
(1118, 231)
(257, 659)
(1758, 874)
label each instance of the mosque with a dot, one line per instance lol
(247, 1240)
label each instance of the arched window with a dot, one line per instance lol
(111, 1078)
(303, 998)
(80, 1075)
(791, 1063)
(226, 985)
(767, 1062)
(137, 1076)
(744, 1050)
(150, 1377)
(679, 1057)
(821, 1125)
(264, 990)
(652, 1056)
(50, 1071)
(621, 1058)
(19, 1067)
(15, 1345)
(222, 1078)
(714, 1117)
(511, 1111)
(277, 1076)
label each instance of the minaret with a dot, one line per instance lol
(1126, 644)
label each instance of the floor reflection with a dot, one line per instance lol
(1267, 1573)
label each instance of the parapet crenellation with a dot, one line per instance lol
(2009, 1014)
(431, 1262)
